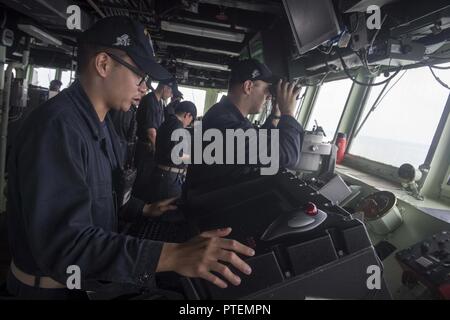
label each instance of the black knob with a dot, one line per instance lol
(425, 247)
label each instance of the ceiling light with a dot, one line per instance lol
(204, 64)
(39, 34)
(203, 32)
(209, 50)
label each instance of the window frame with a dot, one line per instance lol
(371, 166)
(445, 188)
(389, 172)
(313, 103)
(35, 67)
(181, 85)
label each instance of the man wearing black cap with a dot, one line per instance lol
(149, 117)
(176, 99)
(54, 88)
(63, 200)
(249, 89)
(168, 178)
(150, 114)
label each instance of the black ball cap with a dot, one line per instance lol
(130, 36)
(173, 84)
(252, 69)
(186, 106)
(176, 92)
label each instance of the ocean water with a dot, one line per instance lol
(390, 152)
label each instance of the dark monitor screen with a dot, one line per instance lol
(313, 22)
(250, 207)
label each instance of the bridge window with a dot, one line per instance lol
(43, 76)
(329, 106)
(220, 95)
(197, 96)
(5, 66)
(65, 79)
(402, 127)
(300, 101)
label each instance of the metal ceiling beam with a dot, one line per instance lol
(362, 5)
(217, 24)
(52, 8)
(107, 7)
(47, 12)
(96, 8)
(259, 6)
(203, 65)
(198, 31)
(199, 42)
(207, 50)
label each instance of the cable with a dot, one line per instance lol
(395, 83)
(427, 63)
(325, 52)
(318, 82)
(372, 109)
(376, 34)
(332, 44)
(5, 18)
(347, 72)
(440, 68)
(372, 42)
(365, 63)
(357, 26)
(365, 60)
(434, 66)
(378, 101)
(442, 83)
(437, 58)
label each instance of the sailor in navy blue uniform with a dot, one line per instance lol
(62, 197)
(149, 117)
(249, 90)
(168, 177)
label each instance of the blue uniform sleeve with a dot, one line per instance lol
(57, 211)
(268, 123)
(151, 115)
(132, 210)
(291, 139)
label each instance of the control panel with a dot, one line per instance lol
(428, 262)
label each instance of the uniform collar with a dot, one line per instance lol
(87, 110)
(229, 105)
(174, 116)
(153, 95)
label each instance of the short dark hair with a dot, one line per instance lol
(87, 51)
(160, 86)
(55, 85)
(186, 107)
(233, 84)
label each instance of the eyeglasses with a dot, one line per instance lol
(145, 78)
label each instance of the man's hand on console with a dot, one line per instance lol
(205, 254)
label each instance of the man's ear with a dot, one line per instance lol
(102, 64)
(247, 86)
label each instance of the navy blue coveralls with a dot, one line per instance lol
(170, 109)
(125, 125)
(61, 207)
(166, 184)
(150, 114)
(225, 115)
